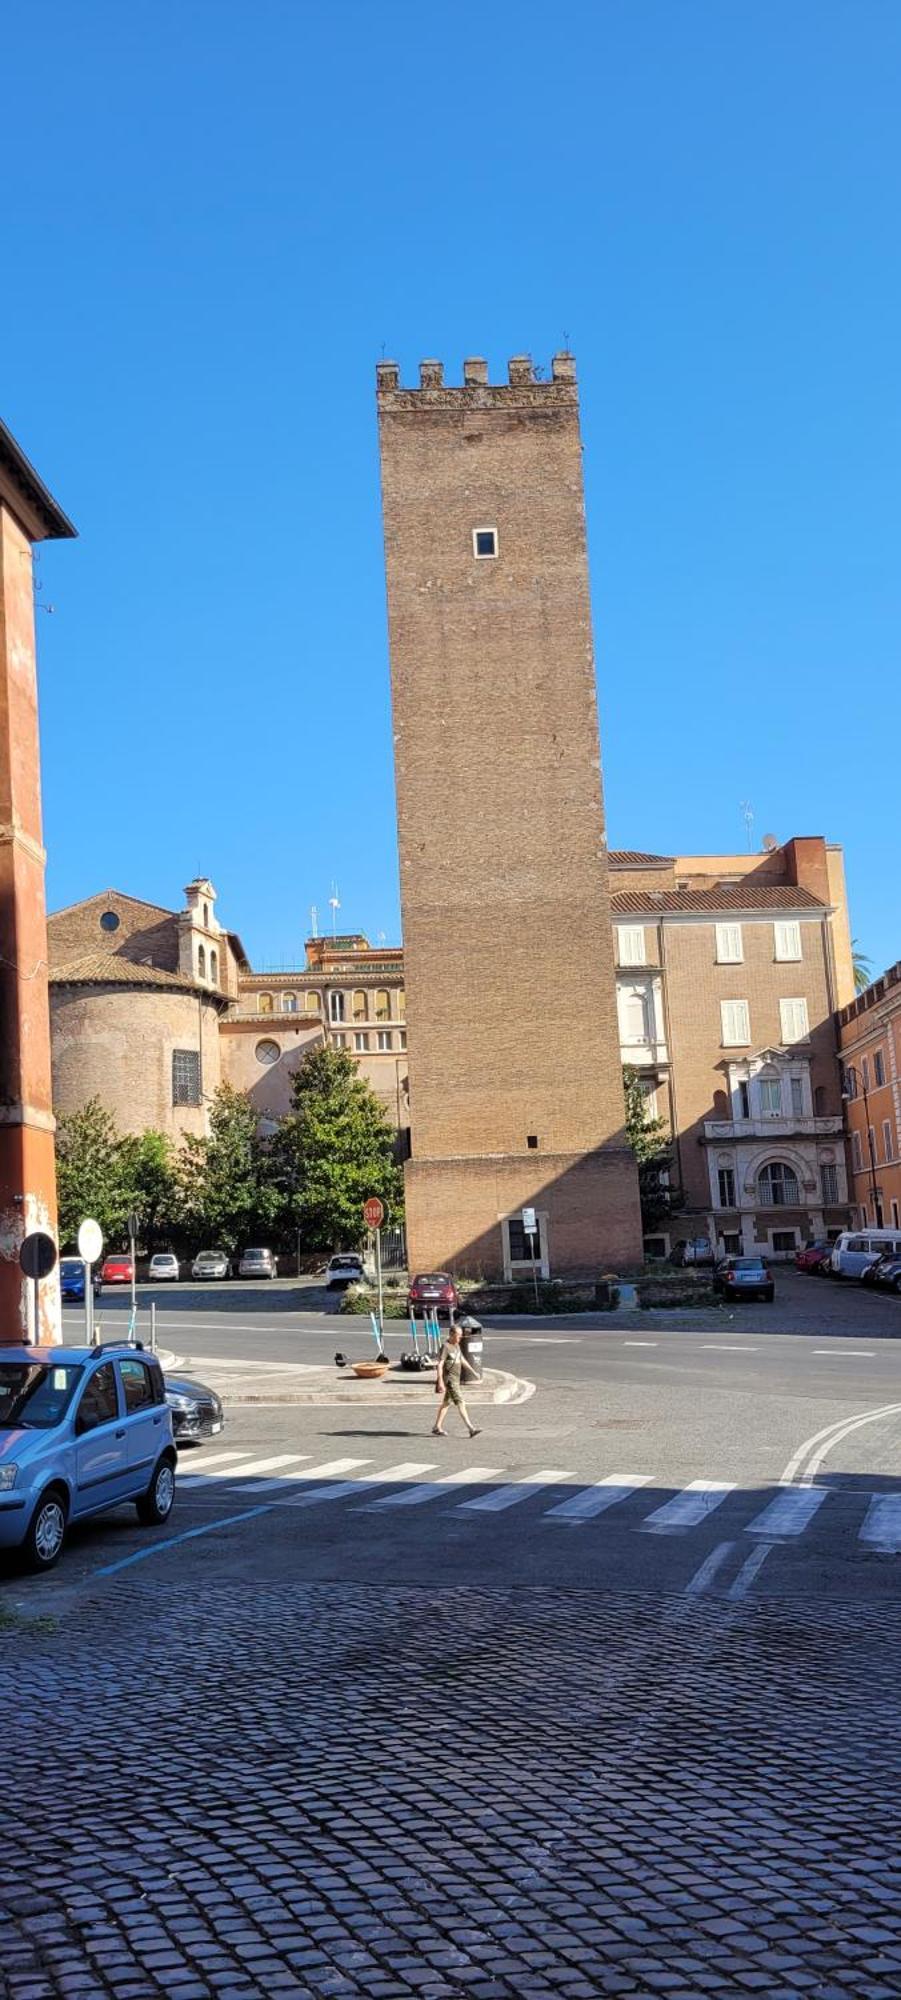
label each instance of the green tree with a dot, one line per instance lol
(334, 1148)
(93, 1174)
(650, 1143)
(861, 967)
(228, 1192)
(153, 1182)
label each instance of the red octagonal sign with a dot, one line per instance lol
(373, 1212)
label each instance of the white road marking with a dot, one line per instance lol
(391, 1475)
(789, 1513)
(508, 1496)
(205, 1474)
(755, 1561)
(833, 1433)
(848, 1353)
(726, 1347)
(641, 1343)
(697, 1584)
(595, 1499)
(882, 1524)
(687, 1508)
(414, 1496)
(328, 1471)
(210, 1462)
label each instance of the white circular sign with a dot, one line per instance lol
(90, 1241)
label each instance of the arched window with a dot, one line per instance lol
(214, 965)
(265, 1003)
(206, 916)
(382, 1006)
(336, 1006)
(311, 1003)
(201, 961)
(777, 1186)
(289, 1003)
(361, 1007)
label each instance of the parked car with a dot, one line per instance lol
(163, 1267)
(872, 1273)
(743, 1278)
(434, 1291)
(82, 1429)
(854, 1249)
(257, 1264)
(211, 1264)
(71, 1279)
(346, 1268)
(695, 1250)
(196, 1410)
(887, 1273)
(118, 1269)
(812, 1256)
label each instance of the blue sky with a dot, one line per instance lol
(217, 215)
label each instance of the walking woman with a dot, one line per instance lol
(451, 1362)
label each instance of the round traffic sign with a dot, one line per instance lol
(373, 1212)
(90, 1240)
(37, 1255)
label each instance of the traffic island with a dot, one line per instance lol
(267, 1382)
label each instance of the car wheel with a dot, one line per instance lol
(156, 1504)
(43, 1544)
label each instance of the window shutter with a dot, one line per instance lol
(631, 944)
(729, 944)
(793, 1020)
(736, 1023)
(787, 941)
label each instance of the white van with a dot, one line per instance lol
(854, 1249)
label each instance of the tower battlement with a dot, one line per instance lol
(521, 375)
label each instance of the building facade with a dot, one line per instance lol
(729, 971)
(503, 863)
(870, 1047)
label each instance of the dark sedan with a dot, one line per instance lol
(743, 1278)
(885, 1272)
(196, 1411)
(71, 1279)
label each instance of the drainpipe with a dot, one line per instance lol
(667, 1028)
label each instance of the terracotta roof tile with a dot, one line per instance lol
(703, 902)
(102, 968)
(629, 857)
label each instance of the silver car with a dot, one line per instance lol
(211, 1264)
(257, 1264)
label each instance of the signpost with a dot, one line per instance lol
(37, 1257)
(90, 1245)
(530, 1229)
(374, 1216)
(132, 1239)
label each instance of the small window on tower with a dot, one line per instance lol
(484, 542)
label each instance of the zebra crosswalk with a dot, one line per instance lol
(560, 1498)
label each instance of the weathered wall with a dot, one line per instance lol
(116, 1043)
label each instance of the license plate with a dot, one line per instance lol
(216, 1425)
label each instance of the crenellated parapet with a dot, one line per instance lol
(525, 387)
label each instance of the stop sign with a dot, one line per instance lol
(373, 1212)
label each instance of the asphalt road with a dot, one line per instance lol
(603, 1702)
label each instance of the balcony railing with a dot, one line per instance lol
(772, 1128)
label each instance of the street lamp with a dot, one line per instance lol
(849, 1093)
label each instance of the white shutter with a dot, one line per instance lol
(787, 941)
(631, 944)
(736, 1023)
(793, 1020)
(729, 944)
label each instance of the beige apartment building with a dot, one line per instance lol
(733, 980)
(870, 1043)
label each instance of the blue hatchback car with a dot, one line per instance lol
(81, 1429)
(71, 1279)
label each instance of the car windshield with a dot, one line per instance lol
(70, 1267)
(35, 1396)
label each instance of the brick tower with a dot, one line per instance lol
(516, 1089)
(28, 514)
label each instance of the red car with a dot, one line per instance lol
(813, 1257)
(434, 1292)
(118, 1270)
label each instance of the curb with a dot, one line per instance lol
(497, 1386)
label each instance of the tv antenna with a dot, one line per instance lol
(747, 813)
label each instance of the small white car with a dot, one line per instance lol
(163, 1268)
(345, 1268)
(211, 1264)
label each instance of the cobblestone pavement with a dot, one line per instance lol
(336, 1789)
